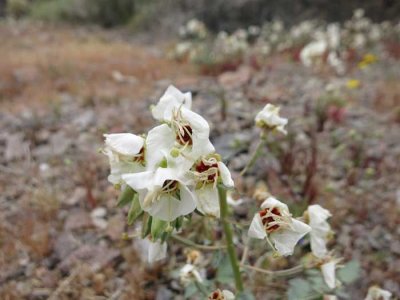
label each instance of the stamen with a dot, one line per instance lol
(273, 219)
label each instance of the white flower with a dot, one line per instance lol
(328, 272)
(313, 52)
(157, 251)
(170, 101)
(275, 222)
(208, 172)
(189, 273)
(320, 229)
(376, 293)
(125, 152)
(163, 193)
(269, 117)
(221, 295)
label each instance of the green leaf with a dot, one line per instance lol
(135, 210)
(126, 196)
(299, 289)
(245, 295)
(190, 290)
(158, 227)
(350, 272)
(146, 226)
(225, 272)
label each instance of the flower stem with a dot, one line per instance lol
(280, 273)
(198, 246)
(229, 239)
(256, 154)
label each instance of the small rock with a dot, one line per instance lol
(77, 220)
(15, 147)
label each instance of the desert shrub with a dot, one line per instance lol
(17, 8)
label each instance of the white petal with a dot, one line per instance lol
(157, 251)
(168, 208)
(225, 175)
(318, 214)
(201, 144)
(273, 202)
(159, 142)
(256, 229)
(286, 239)
(376, 293)
(124, 143)
(139, 181)
(172, 99)
(228, 295)
(207, 200)
(328, 272)
(319, 229)
(117, 169)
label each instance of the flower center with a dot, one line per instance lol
(206, 172)
(139, 158)
(184, 135)
(170, 186)
(271, 218)
(217, 295)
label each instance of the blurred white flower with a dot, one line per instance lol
(163, 193)
(376, 293)
(208, 172)
(274, 221)
(336, 63)
(156, 251)
(313, 52)
(269, 118)
(320, 229)
(189, 273)
(221, 295)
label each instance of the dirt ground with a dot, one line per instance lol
(62, 87)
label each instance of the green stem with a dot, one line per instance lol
(280, 273)
(198, 246)
(256, 154)
(229, 239)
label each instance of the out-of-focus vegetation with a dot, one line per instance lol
(217, 14)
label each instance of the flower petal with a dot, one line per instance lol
(328, 272)
(157, 251)
(172, 99)
(124, 143)
(159, 142)
(286, 239)
(139, 181)
(168, 208)
(319, 229)
(228, 295)
(225, 175)
(271, 202)
(207, 200)
(256, 229)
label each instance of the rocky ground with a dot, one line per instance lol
(61, 88)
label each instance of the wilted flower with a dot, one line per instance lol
(269, 118)
(208, 172)
(189, 273)
(125, 153)
(163, 193)
(376, 293)
(275, 222)
(221, 295)
(320, 229)
(328, 270)
(193, 257)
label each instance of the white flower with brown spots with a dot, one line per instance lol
(275, 223)
(221, 295)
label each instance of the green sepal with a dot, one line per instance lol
(178, 222)
(158, 227)
(126, 196)
(146, 225)
(135, 210)
(165, 236)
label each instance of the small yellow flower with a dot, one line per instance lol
(367, 60)
(353, 84)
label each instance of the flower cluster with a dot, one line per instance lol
(170, 172)
(330, 44)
